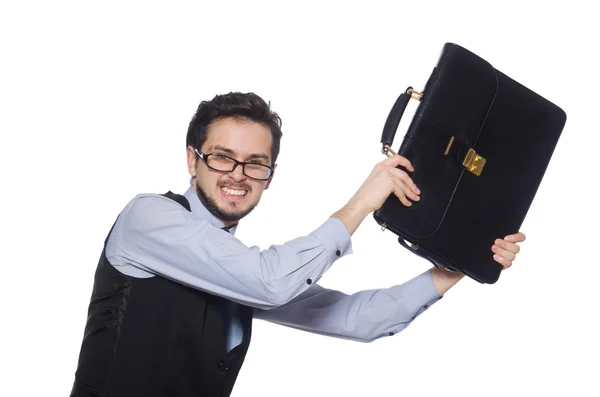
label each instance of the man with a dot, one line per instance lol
(175, 292)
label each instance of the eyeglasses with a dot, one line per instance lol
(223, 163)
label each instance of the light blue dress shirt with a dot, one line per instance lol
(156, 236)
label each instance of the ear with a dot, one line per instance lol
(191, 161)
(271, 178)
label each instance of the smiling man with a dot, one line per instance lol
(233, 197)
(175, 292)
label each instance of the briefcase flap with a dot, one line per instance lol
(480, 143)
(443, 134)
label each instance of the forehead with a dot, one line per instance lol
(244, 137)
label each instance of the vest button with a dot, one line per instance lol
(223, 366)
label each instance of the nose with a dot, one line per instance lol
(238, 174)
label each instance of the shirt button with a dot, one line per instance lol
(309, 281)
(391, 334)
(338, 252)
(223, 366)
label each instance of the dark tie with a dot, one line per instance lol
(225, 304)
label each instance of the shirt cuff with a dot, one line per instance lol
(335, 238)
(420, 293)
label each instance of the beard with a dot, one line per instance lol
(211, 205)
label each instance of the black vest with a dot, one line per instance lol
(152, 337)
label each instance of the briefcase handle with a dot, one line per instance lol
(393, 119)
(387, 138)
(470, 159)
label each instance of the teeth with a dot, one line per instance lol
(235, 192)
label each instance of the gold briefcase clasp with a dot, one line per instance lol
(473, 162)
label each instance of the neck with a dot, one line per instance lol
(228, 223)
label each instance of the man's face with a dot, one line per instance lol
(231, 195)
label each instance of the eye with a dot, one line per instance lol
(256, 162)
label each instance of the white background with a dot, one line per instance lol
(95, 98)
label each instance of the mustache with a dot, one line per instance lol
(236, 185)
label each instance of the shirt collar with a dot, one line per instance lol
(199, 209)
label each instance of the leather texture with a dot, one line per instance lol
(461, 214)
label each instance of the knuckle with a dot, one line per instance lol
(390, 181)
(401, 174)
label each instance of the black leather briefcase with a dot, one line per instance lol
(480, 144)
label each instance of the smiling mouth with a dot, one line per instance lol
(234, 191)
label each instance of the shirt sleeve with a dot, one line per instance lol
(364, 316)
(155, 234)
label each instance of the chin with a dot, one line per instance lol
(240, 212)
(226, 208)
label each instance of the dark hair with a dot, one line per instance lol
(245, 106)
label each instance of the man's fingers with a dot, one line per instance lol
(398, 160)
(515, 238)
(403, 192)
(512, 247)
(509, 255)
(399, 192)
(503, 261)
(401, 176)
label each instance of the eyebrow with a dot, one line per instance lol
(263, 156)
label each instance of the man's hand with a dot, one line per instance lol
(383, 180)
(505, 251)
